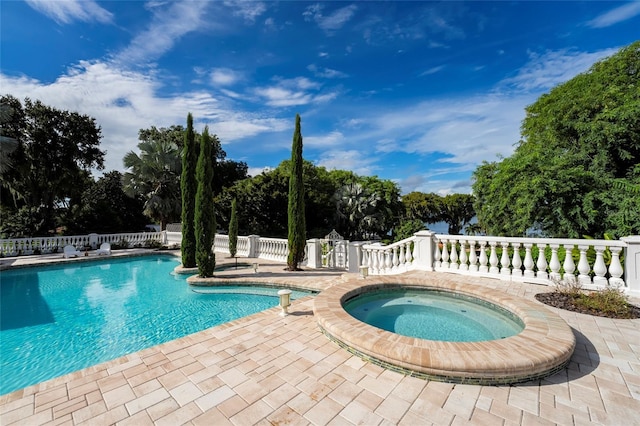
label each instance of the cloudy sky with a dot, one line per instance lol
(417, 92)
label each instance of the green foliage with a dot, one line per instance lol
(233, 229)
(48, 168)
(105, 209)
(297, 235)
(189, 187)
(205, 222)
(457, 211)
(572, 172)
(407, 229)
(454, 209)
(155, 173)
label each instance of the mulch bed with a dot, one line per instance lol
(566, 301)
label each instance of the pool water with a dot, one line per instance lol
(433, 315)
(59, 319)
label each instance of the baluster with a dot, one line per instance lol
(483, 257)
(454, 255)
(401, 255)
(463, 256)
(569, 266)
(505, 262)
(388, 259)
(473, 257)
(583, 266)
(445, 254)
(599, 268)
(493, 258)
(542, 263)
(395, 259)
(528, 261)
(615, 268)
(375, 261)
(516, 262)
(554, 265)
(407, 253)
(438, 256)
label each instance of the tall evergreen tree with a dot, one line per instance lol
(295, 213)
(205, 218)
(189, 186)
(233, 229)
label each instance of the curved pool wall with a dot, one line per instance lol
(542, 348)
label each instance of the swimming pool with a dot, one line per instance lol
(59, 319)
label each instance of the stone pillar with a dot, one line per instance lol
(355, 256)
(425, 250)
(632, 265)
(93, 241)
(314, 253)
(254, 243)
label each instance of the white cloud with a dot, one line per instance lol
(123, 102)
(330, 139)
(432, 70)
(332, 22)
(617, 15)
(249, 10)
(224, 76)
(326, 72)
(543, 71)
(291, 92)
(166, 28)
(67, 11)
(352, 160)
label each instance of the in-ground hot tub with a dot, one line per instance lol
(543, 347)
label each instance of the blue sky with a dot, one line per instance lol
(416, 92)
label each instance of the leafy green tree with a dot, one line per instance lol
(205, 219)
(357, 211)
(189, 187)
(155, 173)
(106, 209)
(579, 152)
(49, 167)
(425, 207)
(295, 212)
(407, 228)
(457, 211)
(233, 229)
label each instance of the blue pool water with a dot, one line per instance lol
(433, 315)
(58, 319)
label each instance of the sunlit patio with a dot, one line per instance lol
(268, 369)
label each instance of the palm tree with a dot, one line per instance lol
(357, 209)
(155, 176)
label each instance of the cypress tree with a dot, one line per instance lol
(189, 186)
(296, 219)
(233, 229)
(205, 218)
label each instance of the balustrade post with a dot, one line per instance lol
(424, 256)
(483, 258)
(454, 255)
(632, 264)
(314, 253)
(569, 266)
(505, 262)
(516, 262)
(583, 266)
(599, 268)
(445, 254)
(473, 257)
(493, 259)
(354, 256)
(554, 265)
(615, 268)
(542, 263)
(463, 256)
(254, 246)
(528, 261)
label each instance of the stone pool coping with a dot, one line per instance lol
(544, 346)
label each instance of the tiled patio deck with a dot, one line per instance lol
(265, 369)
